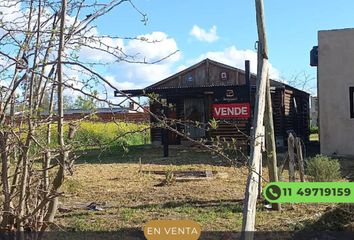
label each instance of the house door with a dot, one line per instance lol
(194, 114)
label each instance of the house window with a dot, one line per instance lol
(351, 101)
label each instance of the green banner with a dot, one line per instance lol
(309, 192)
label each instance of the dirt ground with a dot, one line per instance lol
(130, 198)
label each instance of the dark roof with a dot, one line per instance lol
(166, 83)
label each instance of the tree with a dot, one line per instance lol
(85, 103)
(68, 102)
(39, 44)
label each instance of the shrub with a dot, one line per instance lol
(313, 130)
(92, 134)
(169, 177)
(120, 133)
(323, 169)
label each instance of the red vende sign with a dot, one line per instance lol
(231, 110)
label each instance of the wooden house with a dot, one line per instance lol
(212, 90)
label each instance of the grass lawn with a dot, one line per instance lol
(130, 198)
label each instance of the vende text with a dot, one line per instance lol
(232, 110)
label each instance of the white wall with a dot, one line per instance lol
(335, 76)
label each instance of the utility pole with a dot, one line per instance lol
(251, 193)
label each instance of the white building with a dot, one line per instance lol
(336, 91)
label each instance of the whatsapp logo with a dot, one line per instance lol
(272, 192)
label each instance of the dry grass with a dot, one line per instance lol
(130, 198)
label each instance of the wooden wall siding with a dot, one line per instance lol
(232, 129)
(278, 111)
(288, 103)
(194, 110)
(155, 133)
(204, 74)
(208, 102)
(302, 117)
(198, 75)
(277, 104)
(296, 117)
(180, 115)
(284, 115)
(289, 113)
(233, 77)
(201, 76)
(208, 74)
(253, 80)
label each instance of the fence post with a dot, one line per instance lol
(261, 164)
(291, 144)
(300, 159)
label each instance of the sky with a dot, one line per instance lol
(222, 30)
(225, 31)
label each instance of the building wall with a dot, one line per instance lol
(217, 83)
(314, 111)
(335, 76)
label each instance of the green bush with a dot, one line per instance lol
(121, 133)
(313, 130)
(90, 134)
(323, 169)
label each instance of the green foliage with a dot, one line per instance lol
(213, 123)
(112, 134)
(92, 134)
(169, 177)
(323, 169)
(86, 102)
(313, 129)
(67, 102)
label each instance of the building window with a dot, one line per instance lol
(351, 101)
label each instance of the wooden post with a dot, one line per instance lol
(250, 201)
(270, 141)
(249, 208)
(260, 178)
(281, 167)
(291, 145)
(300, 159)
(261, 165)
